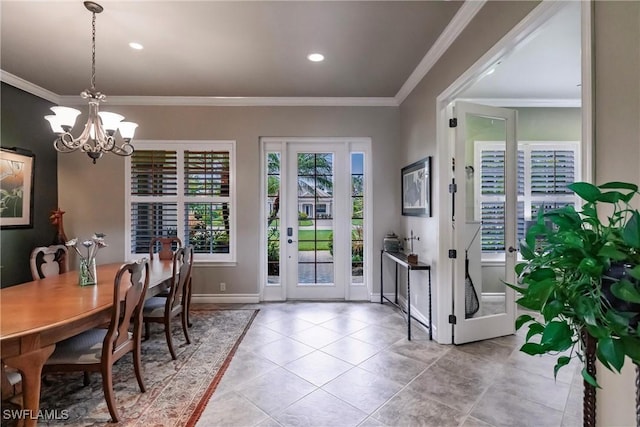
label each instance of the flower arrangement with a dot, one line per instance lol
(87, 262)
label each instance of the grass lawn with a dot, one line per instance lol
(306, 240)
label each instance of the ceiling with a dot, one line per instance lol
(259, 48)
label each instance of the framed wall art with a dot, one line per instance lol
(16, 189)
(416, 188)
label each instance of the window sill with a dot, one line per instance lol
(197, 263)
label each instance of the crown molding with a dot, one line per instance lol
(465, 14)
(223, 101)
(29, 87)
(526, 102)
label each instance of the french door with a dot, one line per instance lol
(316, 225)
(486, 249)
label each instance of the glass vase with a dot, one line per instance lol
(88, 275)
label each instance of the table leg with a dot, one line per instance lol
(189, 324)
(396, 300)
(409, 303)
(430, 321)
(30, 366)
(381, 278)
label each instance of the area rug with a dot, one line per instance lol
(177, 390)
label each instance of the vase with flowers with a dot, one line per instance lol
(87, 274)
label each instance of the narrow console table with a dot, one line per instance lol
(401, 259)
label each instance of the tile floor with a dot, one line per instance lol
(350, 364)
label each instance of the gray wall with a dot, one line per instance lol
(617, 154)
(23, 126)
(103, 183)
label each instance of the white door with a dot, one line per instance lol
(317, 229)
(484, 223)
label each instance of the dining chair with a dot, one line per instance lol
(164, 247)
(98, 349)
(48, 261)
(162, 309)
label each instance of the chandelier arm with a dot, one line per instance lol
(65, 143)
(126, 149)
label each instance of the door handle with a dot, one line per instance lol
(291, 241)
(512, 249)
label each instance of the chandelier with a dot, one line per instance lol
(104, 132)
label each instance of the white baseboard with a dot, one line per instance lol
(226, 298)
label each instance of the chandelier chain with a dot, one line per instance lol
(93, 52)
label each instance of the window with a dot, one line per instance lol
(183, 189)
(544, 170)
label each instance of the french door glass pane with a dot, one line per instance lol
(273, 219)
(315, 218)
(357, 217)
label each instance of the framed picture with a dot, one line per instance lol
(16, 189)
(416, 188)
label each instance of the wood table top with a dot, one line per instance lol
(53, 302)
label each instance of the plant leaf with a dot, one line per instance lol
(534, 329)
(625, 290)
(611, 353)
(632, 348)
(619, 185)
(631, 231)
(586, 191)
(562, 361)
(552, 309)
(557, 336)
(588, 378)
(610, 197)
(610, 250)
(532, 349)
(522, 320)
(635, 272)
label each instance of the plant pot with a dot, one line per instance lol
(615, 273)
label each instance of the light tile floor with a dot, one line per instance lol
(350, 364)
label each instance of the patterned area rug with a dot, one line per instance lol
(177, 390)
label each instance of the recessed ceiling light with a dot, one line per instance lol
(315, 57)
(136, 46)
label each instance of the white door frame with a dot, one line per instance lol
(352, 292)
(536, 18)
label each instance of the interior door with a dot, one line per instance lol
(484, 222)
(318, 218)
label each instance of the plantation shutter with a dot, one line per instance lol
(544, 171)
(207, 200)
(153, 176)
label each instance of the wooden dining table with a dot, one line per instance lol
(34, 316)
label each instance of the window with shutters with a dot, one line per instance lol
(544, 170)
(182, 189)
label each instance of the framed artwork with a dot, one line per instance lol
(16, 189)
(416, 188)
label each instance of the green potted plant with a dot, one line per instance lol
(580, 278)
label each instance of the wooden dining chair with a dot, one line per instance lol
(98, 349)
(164, 247)
(48, 261)
(162, 309)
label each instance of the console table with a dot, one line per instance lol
(401, 259)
